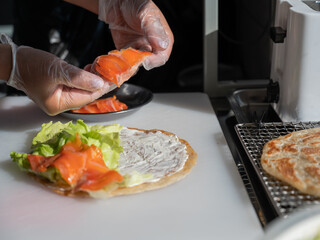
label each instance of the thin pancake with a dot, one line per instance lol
(295, 159)
(114, 190)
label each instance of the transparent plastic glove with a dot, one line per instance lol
(141, 25)
(52, 83)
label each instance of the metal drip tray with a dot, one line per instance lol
(253, 137)
(251, 105)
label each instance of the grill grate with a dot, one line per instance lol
(283, 197)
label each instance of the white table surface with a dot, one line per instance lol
(210, 203)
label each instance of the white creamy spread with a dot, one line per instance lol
(151, 153)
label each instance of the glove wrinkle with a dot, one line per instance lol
(138, 24)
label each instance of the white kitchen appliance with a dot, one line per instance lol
(291, 31)
(295, 61)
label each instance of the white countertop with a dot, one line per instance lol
(210, 203)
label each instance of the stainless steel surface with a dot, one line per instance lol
(258, 198)
(249, 105)
(283, 197)
(315, 5)
(251, 192)
(244, 106)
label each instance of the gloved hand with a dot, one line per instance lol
(138, 24)
(53, 84)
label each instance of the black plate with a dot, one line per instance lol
(133, 96)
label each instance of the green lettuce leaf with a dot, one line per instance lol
(53, 136)
(21, 160)
(136, 178)
(52, 174)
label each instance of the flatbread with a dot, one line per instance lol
(295, 159)
(114, 190)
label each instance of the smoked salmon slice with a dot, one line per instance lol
(103, 105)
(119, 66)
(79, 164)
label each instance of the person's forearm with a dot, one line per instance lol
(5, 61)
(92, 5)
